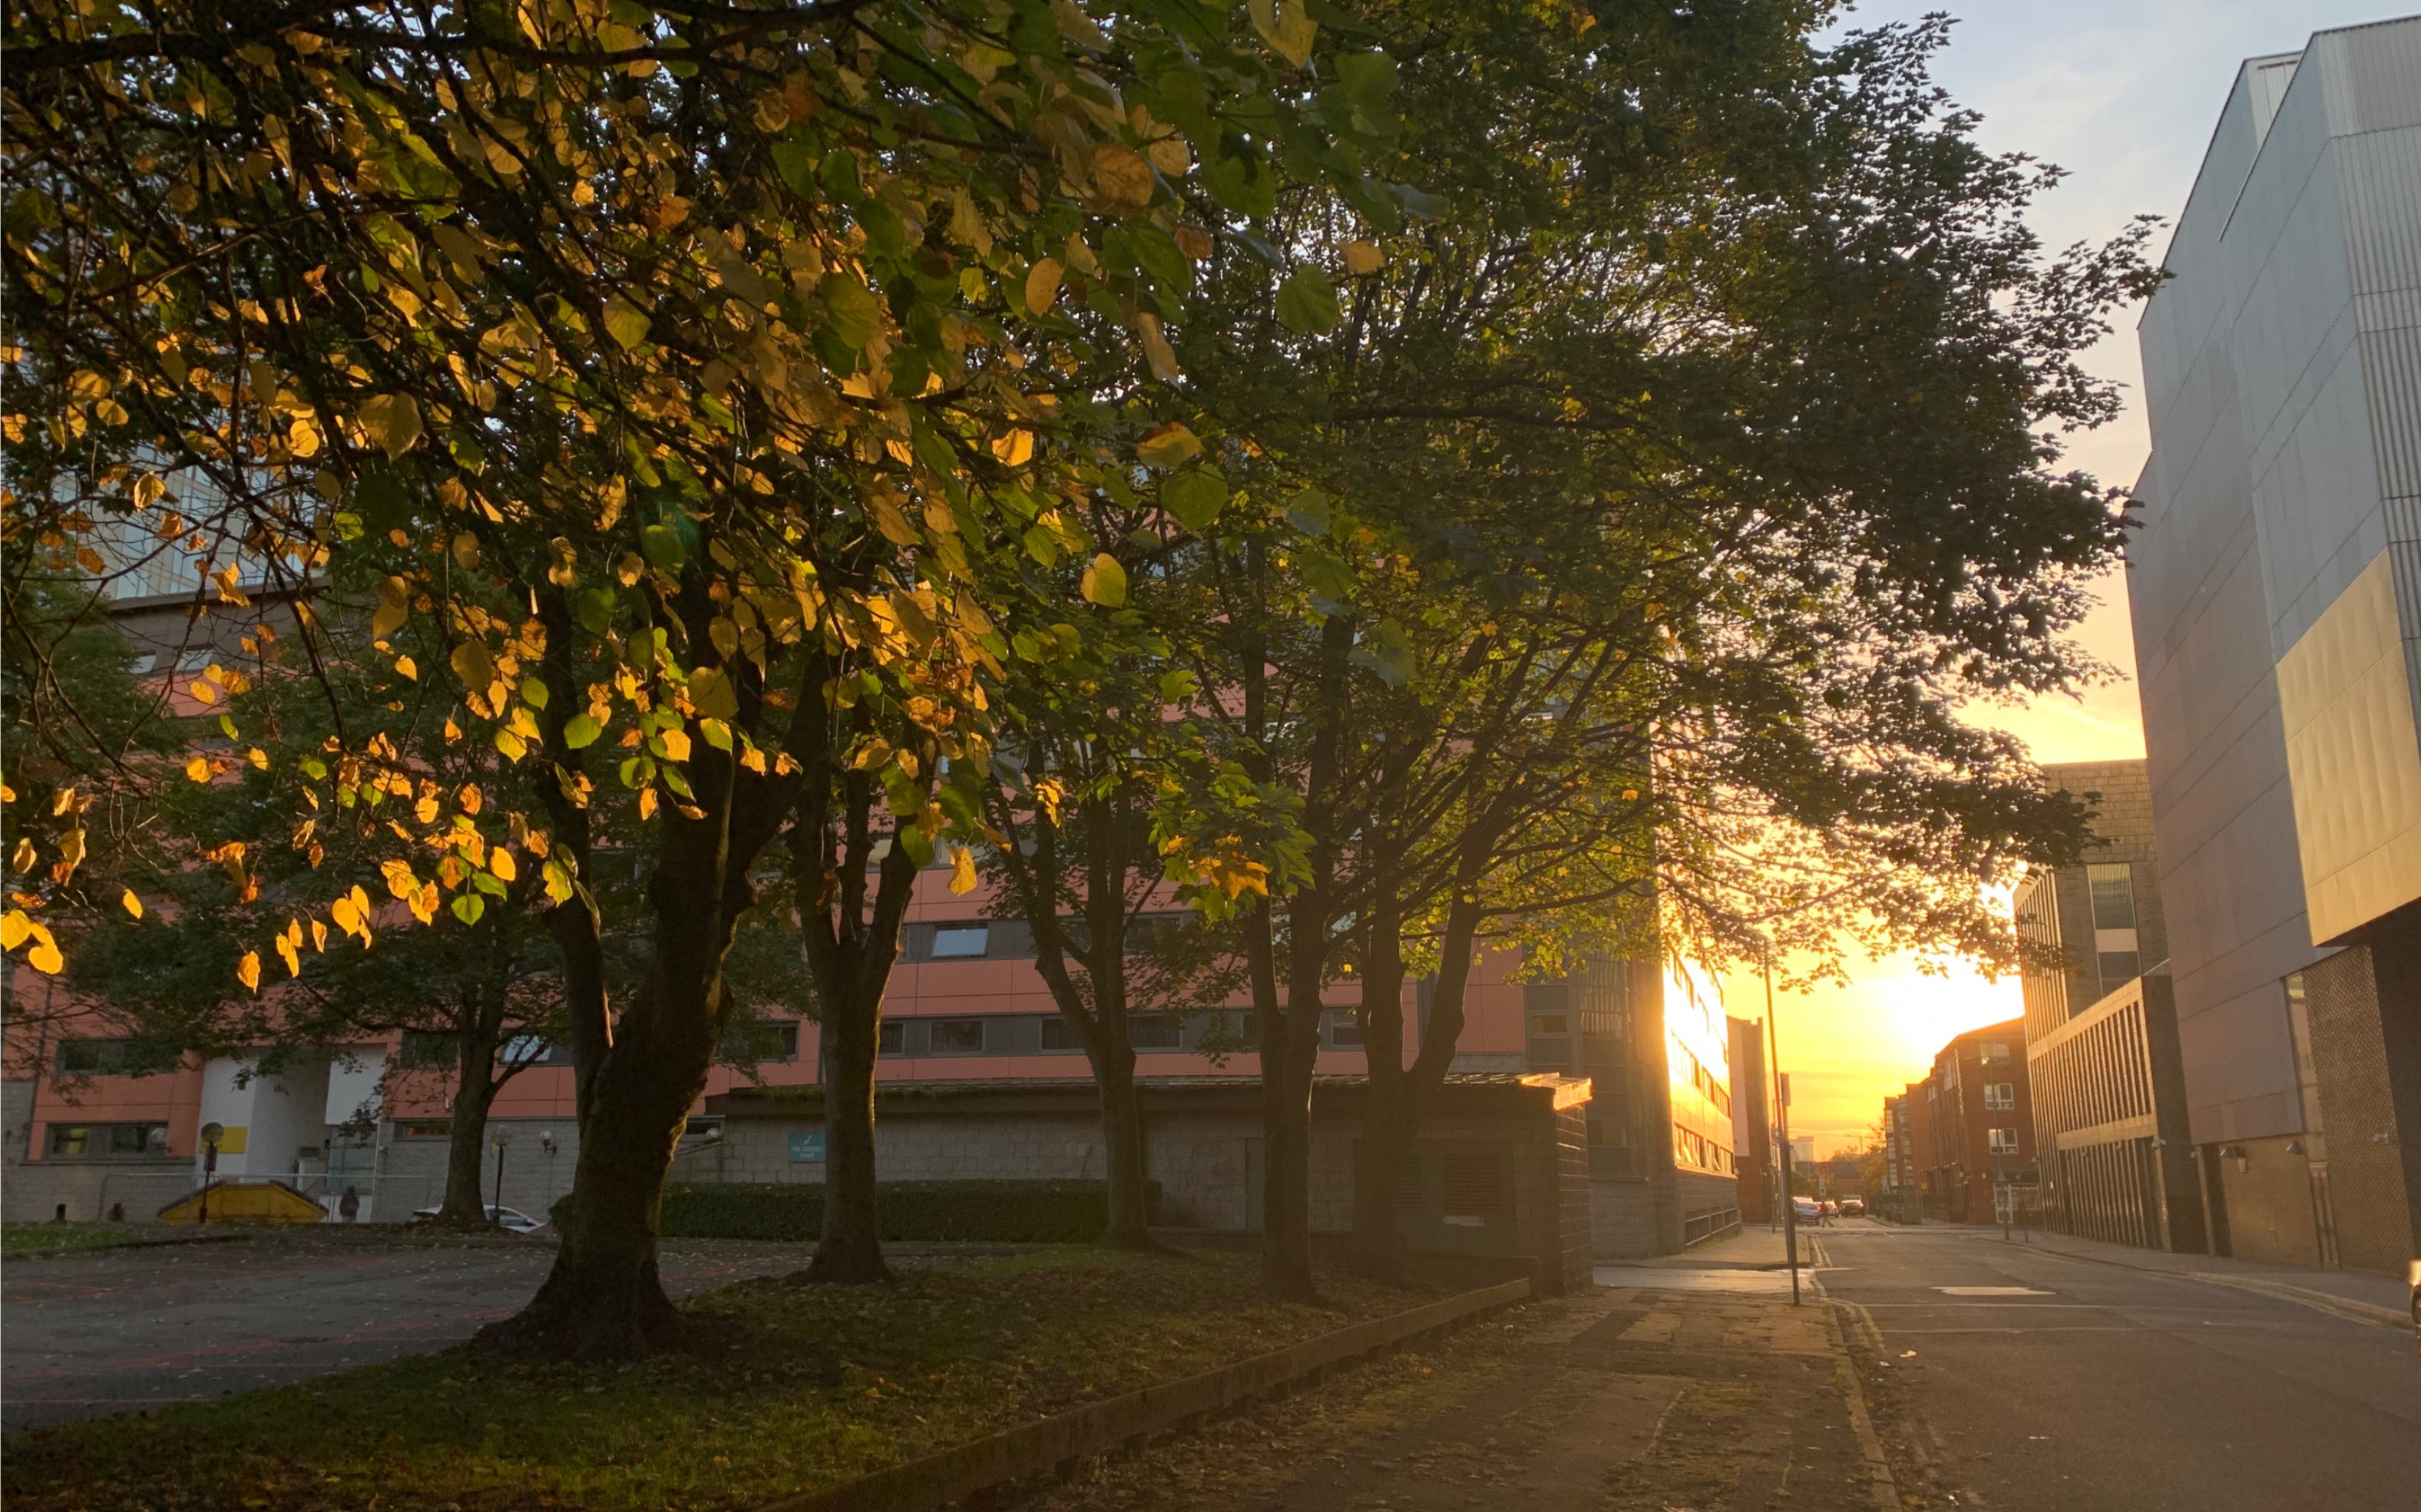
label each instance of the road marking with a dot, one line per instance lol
(1992, 1291)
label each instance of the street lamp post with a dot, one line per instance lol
(212, 1134)
(500, 1144)
(1782, 1124)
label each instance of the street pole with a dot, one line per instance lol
(1782, 1123)
(500, 1174)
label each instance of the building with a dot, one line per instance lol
(1978, 1136)
(2275, 584)
(1751, 1125)
(2102, 1066)
(1897, 1200)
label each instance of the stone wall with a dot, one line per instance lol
(2366, 1195)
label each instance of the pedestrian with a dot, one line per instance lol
(349, 1205)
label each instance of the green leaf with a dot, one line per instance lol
(1178, 686)
(1157, 253)
(1387, 651)
(1239, 179)
(1370, 80)
(1307, 302)
(580, 732)
(534, 692)
(469, 906)
(492, 886)
(849, 309)
(916, 843)
(711, 690)
(596, 610)
(796, 162)
(1195, 498)
(662, 545)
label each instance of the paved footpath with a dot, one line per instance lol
(113, 1331)
(1665, 1388)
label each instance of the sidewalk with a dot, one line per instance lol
(1754, 1248)
(2349, 1293)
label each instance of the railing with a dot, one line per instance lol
(1706, 1225)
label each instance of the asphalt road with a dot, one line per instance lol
(2034, 1381)
(124, 1329)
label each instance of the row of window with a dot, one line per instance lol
(130, 1141)
(1694, 1149)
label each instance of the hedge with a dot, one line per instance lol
(1024, 1212)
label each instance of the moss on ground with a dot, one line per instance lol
(782, 1388)
(32, 1242)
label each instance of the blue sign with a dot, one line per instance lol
(807, 1148)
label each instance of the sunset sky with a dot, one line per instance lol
(2124, 94)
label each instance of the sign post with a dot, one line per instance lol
(1782, 1125)
(212, 1134)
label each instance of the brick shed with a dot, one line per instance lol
(1501, 1168)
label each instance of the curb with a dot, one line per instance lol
(1881, 1483)
(1042, 1447)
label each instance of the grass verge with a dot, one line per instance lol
(783, 1388)
(32, 1242)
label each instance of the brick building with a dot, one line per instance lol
(2102, 1066)
(1753, 1158)
(1975, 1135)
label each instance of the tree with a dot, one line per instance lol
(663, 358)
(1737, 404)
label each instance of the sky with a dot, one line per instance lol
(2123, 94)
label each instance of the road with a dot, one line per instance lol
(2034, 1381)
(116, 1331)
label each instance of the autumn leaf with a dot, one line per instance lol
(1156, 349)
(1105, 581)
(1123, 178)
(132, 904)
(391, 422)
(395, 606)
(1168, 446)
(287, 953)
(625, 323)
(1014, 447)
(1363, 258)
(1042, 286)
(500, 861)
(197, 769)
(14, 928)
(1286, 26)
(962, 871)
(247, 970)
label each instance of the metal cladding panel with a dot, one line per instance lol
(2355, 763)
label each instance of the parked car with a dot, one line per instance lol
(1807, 1208)
(511, 1220)
(1854, 1208)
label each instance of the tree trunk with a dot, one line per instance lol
(1377, 1251)
(1130, 1205)
(1399, 1100)
(850, 1249)
(475, 1091)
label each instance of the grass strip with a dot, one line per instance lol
(782, 1389)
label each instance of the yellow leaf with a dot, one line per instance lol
(44, 957)
(473, 663)
(319, 936)
(1042, 286)
(292, 957)
(202, 692)
(647, 803)
(676, 745)
(511, 746)
(392, 423)
(1013, 448)
(395, 606)
(1156, 349)
(348, 918)
(14, 928)
(625, 323)
(247, 970)
(465, 548)
(23, 858)
(258, 757)
(302, 437)
(408, 668)
(1168, 446)
(962, 871)
(1286, 26)
(132, 904)
(1123, 178)
(500, 861)
(197, 769)
(1105, 581)
(1363, 258)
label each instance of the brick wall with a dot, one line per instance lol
(2267, 1194)
(2365, 1159)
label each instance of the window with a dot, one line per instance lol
(960, 942)
(426, 1051)
(426, 1129)
(2004, 1141)
(112, 1057)
(108, 1141)
(1342, 1029)
(529, 1049)
(958, 1037)
(749, 1041)
(1058, 1035)
(1996, 1050)
(2113, 884)
(1999, 1097)
(1550, 1024)
(2118, 966)
(1156, 1031)
(891, 1038)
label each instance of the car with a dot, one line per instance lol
(1852, 1208)
(510, 1219)
(1807, 1208)
(1830, 1206)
